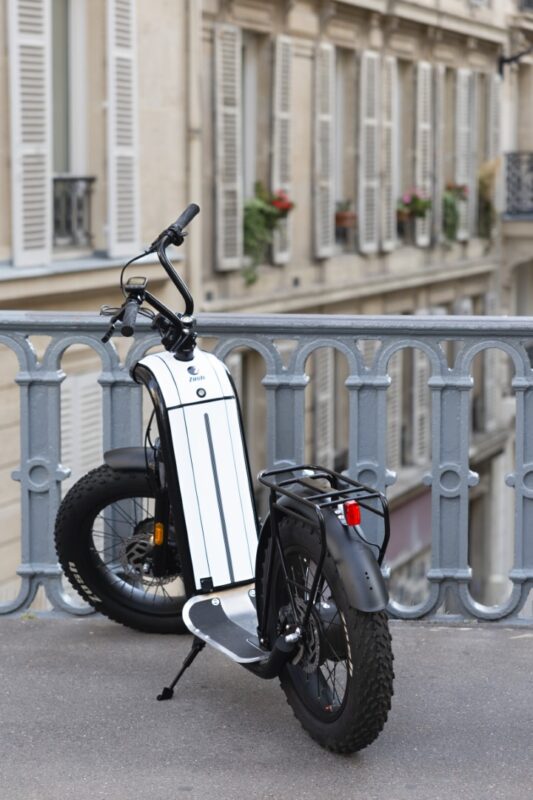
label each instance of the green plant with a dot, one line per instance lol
(342, 206)
(261, 216)
(486, 189)
(453, 195)
(413, 204)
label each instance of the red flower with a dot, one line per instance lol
(282, 202)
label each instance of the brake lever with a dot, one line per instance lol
(114, 319)
(171, 234)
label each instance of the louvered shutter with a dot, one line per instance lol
(494, 116)
(423, 148)
(281, 146)
(463, 152)
(473, 104)
(234, 364)
(324, 160)
(122, 138)
(369, 179)
(493, 363)
(81, 425)
(494, 131)
(394, 412)
(31, 146)
(439, 73)
(324, 416)
(228, 147)
(420, 423)
(389, 132)
(421, 408)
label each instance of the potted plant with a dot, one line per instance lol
(454, 194)
(412, 205)
(262, 214)
(344, 216)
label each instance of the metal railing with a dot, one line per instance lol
(72, 211)
(519, 185)
(450, 382)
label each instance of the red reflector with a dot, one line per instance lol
(352, 512)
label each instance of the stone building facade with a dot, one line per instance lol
(114, 114)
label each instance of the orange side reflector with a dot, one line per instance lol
(352, 512)
(159, 533)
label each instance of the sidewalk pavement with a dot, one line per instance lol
(79, 719)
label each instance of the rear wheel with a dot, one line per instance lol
(340, 682)
(104, 542)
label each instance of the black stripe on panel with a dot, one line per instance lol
(219, 496)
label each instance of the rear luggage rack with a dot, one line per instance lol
(341, 489)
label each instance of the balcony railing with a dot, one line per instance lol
(451, 345)
(72, 211)
(519, 185)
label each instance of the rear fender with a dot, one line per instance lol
(130, 459)
(358, 568)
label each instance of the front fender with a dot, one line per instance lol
(358, 568)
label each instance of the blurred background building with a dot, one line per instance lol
(395, 128)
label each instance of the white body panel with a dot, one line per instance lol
(211, 466)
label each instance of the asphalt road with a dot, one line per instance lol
(79, 718)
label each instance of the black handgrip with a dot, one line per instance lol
(131, 309)
(185, 217)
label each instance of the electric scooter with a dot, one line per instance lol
(301, 598)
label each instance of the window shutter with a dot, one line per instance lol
(389, 129)
(493, 365)
(235, 366)
(473, 104)
(324, 151)
(81, 425)
(438, 149)
(423, 147)
(31, 145)
(494, 132)
(463, 152)
(394, 412)
(324, 416)
(421, 408)
(228, 147)
(420, 423)
(281, 150)
(369, 179)
(494, 116)
(122, 145)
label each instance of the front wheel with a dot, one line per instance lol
(340, 683)
(104, 542)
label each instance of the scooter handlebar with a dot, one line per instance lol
(131, 309)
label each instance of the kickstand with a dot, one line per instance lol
(197, 646)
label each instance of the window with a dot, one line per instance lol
(345, 150)
(252, 131)
(35, 80)
(72, 191)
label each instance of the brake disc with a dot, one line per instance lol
(136, 556)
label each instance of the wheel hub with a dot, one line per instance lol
(136, 556)
(324, 637)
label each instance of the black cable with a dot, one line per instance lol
(148, 441)
(124, 268)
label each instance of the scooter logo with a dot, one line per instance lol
(193, 372)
